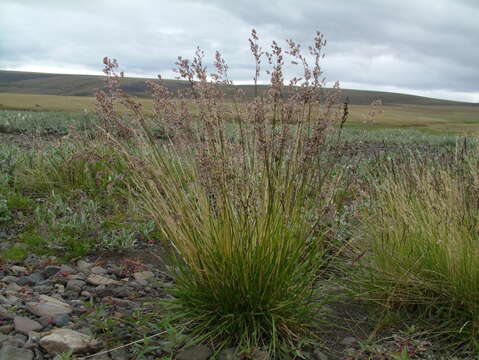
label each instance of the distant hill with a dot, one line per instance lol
(18, 82)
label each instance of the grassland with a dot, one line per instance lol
(305, 241)
(446, 119)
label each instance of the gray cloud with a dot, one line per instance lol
(425, 47)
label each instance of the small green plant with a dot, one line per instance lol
(5, 213)
(15, 253)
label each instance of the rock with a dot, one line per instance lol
(143, 275)
(6, 329)
(65, 270)
(9, 352)
(43, 289)
(17, 340)
(86, 294)
(61, 320)
(5, 314)
(79, 276)
(75, 285)
(60, 288)
(348, 341)
(31, 260)
(97, 280)
(64, 340)
(98, 270)
(50, 271)
(18, 269)
(32, 279)
(25, 325)
(12, 300)
(9, 279)
(84, 266)
(3, 338)
(196, 352)
(12, 288)
(49, 307)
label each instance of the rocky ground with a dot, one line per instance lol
(48, 309)
(44, 307)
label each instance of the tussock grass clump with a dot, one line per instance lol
(92, 167)
(244, 195)
(424, 245)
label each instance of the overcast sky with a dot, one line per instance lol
(424, 47)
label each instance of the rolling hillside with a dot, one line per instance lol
(17, 82)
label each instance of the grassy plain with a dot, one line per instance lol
(446, 119)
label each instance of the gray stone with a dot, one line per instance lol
(16, 341)
(61, 320)
(43, 289)
(25, 325)
(75, 285)
(98, 280)
(3, 338)
(9, 352)
(196, 352)
(84, 266)
(348, 341)
(18, 269)
(50, 271)
(10, 279)
(13, 288)
(122, 291)
(5, 314)
(64, 340)
(65, 270)
(32, 279)
(49, 307)
(98, 270)
(143, 275)
(6, 329)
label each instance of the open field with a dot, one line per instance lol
(452, 119)
(67, 199)
(262, 231)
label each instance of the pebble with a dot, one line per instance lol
(97, 280)
(5, 314)
(18, 269)
(12, 288)
(49, 307)
(98, 270)
(25, 325)
(75, 285)
(50, 271)
(9, 352)
(348, 341)
(9, 279)
(143, 275)
(84, 266)
(64, 340)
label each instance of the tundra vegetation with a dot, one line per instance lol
(285, 233)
